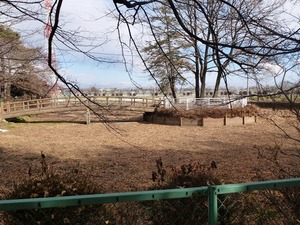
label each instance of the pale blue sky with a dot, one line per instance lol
(91, 15)
(87, 73)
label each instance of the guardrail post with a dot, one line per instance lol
(212, 206)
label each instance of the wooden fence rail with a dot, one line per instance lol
(36, 106)
(12, 109)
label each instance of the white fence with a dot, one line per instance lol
(196, 103)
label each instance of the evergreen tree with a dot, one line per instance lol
(21, 68)
(165, 56)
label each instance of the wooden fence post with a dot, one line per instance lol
(225, 120)
(88, 116)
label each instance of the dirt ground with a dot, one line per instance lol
(121, 157)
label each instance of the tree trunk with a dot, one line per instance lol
(197, 71)
(173, 87)
(202, 94)
(217, 85)
(221, 68)
(197, 85)
(203, 79)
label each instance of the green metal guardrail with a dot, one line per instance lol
(214, 191)
(80, 200)
(211, 192)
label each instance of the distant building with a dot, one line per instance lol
(182, 93)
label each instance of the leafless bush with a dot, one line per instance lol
(49, 183)
(249, 110)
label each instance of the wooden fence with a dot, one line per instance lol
(207, 122)
(36, 106)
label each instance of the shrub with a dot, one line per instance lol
(52, 184)
(263, 207)
(187, 210)
(283, 164)
(249, 110)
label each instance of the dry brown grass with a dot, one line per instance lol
(124, 160)
(249, 110)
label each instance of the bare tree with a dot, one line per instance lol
(234, 36)
(262, 40)
(60, 40)
(259, 38)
